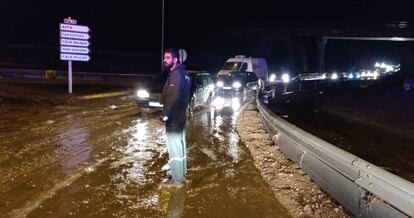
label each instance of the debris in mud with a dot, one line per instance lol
(291, 186)
(49, 122)
(114, 107)
(89, 169)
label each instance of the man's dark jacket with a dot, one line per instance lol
(175, 98)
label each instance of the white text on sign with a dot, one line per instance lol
(74, 28)
(69, 21)
(74, 50)
(72, 42)
(72, 35)
(74, 57)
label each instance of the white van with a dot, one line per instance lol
(241, 63)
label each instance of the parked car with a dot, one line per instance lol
(237, 82)
(202, 91)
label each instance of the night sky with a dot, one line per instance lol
(212, 31)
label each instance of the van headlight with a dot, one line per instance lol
(236, 85)
(286, 78)
(142, 93)
(219, 84)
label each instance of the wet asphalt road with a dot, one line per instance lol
(102, 157)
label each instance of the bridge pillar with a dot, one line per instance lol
(322, 41)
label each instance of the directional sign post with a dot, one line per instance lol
(74, 44)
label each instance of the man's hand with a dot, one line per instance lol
(163, 119)
(161, 123)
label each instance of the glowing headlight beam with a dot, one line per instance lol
(272, 78)
(286, 78)
(236, 85)
(142, 93)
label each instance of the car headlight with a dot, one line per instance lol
(272, 78)
(142, 93)
(286, 78)
(219, 84)
(334, 76)
(236, 85)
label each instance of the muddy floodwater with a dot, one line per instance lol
(96, 154)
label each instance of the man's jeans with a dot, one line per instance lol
(177, 154)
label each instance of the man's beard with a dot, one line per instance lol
(168, 66)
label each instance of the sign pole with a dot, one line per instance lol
(162, 34)
(70, 76)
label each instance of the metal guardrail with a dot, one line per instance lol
(24, 73)
(361, 187)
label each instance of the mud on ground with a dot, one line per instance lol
(291, 186)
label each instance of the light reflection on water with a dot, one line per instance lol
(233, 149)
(142, 148)
(224, 127)
(74, 146)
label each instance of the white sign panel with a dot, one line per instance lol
(74, 57)
(72, 35)
(73, 42)
(74, 28)
(69, 21)
(74, 50)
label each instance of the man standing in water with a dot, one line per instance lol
(175, 98)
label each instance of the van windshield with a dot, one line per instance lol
(232, 66)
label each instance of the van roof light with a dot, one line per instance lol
(240, 56)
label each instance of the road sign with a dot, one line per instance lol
(74, 42)
(74, 57)
(73, 35)
(74, 50)
(74, 28)
(69, 21)
(183, 55)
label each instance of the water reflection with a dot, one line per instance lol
(221, 170)
(74, 146)
(141, 148)
(228, 102)
(233, 149)
(176, 203)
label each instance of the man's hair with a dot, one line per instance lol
(173, 53)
